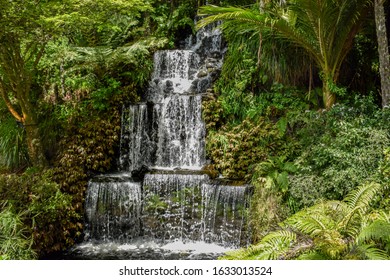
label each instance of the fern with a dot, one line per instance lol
(311, 221)
(370, 252)
(363, 195)
(378, 230)
(272, 247)
(312, 255)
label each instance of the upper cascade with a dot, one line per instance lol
(174, 204)
(166, 131)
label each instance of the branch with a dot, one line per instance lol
(8, 103)
(39, 55)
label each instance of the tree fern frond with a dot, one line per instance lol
(330, 243)
(240, 254)
(351, 222)
(336, 209)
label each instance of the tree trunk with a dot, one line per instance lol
(329, 97)
(34, 142)
(383, 49)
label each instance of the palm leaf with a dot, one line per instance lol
(324, 29)
(215, 13)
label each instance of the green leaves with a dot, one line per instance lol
(15, 241)
(239, 148)
(273, 246)
(323, 29)
(347, 229)
(13, 151)
(341, 148)
(361, 197)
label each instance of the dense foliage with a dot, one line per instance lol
(320, 176)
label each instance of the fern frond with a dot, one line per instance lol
(363, 195)
(275, 244)
(351, 222)
(330, 243)
(378, 230)
(240, 254)
(272, 247)
(311, 221)
(312, 255)
(372, 253)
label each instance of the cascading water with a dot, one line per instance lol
(176, 204)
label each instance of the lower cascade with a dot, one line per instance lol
(173, 210)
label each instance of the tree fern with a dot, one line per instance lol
(312, 255)
(275, 244)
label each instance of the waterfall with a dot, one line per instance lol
(165, 134)
(113, 209)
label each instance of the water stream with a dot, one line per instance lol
(174, 211)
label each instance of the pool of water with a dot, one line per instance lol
(141, 249)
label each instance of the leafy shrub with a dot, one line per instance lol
(100, 97)
(341, 149)
(15, 239)
(236, 149)
(266, 210)
(88, 148)
(212, 114)
(49, 213)
(347, 229)
(13, 151)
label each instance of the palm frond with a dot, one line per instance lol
(215, 13)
